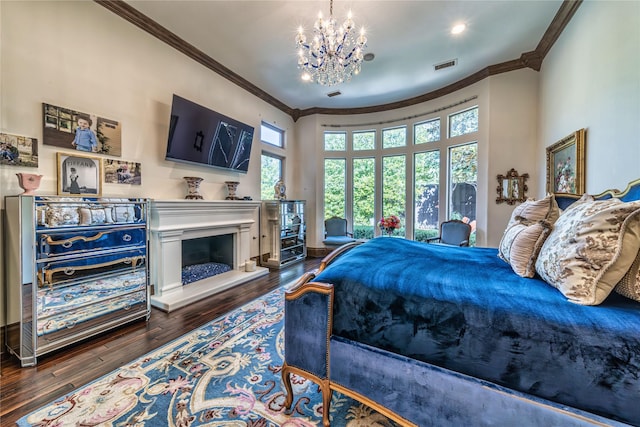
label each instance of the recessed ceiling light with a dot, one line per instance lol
(458, 28)
(369, 56)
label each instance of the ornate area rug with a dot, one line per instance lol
(224, 374)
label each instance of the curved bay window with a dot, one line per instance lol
(371, 173)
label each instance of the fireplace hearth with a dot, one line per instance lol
(188, 233)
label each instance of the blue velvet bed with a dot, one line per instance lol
(440, 335)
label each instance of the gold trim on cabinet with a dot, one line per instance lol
(68, 242)
(47, 277)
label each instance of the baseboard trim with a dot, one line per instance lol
(317, 252)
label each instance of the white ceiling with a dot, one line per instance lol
(255, 39)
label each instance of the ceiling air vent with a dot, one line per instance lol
(332, 94)
(447, 64)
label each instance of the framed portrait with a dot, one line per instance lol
(81, 131)
(565, 165)
(79, 175)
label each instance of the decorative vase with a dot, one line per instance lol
(193, 187)
(232, 186)
(29, 182)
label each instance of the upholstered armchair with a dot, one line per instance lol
(453, 232)
(335, 232)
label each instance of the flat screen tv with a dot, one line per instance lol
(200, 136)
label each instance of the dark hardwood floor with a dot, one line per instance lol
(23, 390)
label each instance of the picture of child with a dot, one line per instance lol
(85, 139)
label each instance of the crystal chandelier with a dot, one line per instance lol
(334, 54)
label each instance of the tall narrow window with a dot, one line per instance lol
(394, 187)
(335, 141)
(463, 183)
(364, 185)
(334, 188)
(270, 173)
(394, 137)
(426, 195)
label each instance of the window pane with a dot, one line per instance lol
(335, 141)
(394, 189)
(270, 173)
(334, 188)
(463, 170)
(271, 135)
(396, 137)
(426, 203)
(364, 140)
(364, 185)
(426, 131)
(463, 122)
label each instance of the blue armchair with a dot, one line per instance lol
(335, 232)
(453, 232)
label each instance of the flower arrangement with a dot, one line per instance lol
(389, 223)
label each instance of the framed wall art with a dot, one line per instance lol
(566, 163)
(122, 172)
(84, 132)
(79, 175)
(18, 150)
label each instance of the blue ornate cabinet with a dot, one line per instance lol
(75, 267)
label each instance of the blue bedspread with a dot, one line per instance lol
(464, 309)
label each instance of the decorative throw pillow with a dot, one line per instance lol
(521, 244)
(536, 210)
(123, 213)
(59, 215)
(629, 285)
(121, 209)
(92, 216)
(591, 247)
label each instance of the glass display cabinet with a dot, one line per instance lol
(284, 237)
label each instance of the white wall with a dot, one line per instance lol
(591, 79)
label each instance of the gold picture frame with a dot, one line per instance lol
(79, 175)
(512, 187)
(566, 164)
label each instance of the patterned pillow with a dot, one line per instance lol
(629, 286)
(591, 248)
(59, 215)
(535, 210)
(92, 216)
(123, 213)
(521, 244)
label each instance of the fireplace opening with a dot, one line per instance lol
(206, 256)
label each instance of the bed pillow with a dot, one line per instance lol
(521, 244)
(629, 286)
(590, 249)
(536, 210)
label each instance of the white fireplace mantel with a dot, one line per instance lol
(172, 221)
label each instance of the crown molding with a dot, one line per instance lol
(531, 60)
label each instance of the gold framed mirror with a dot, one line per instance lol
(512, 188)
